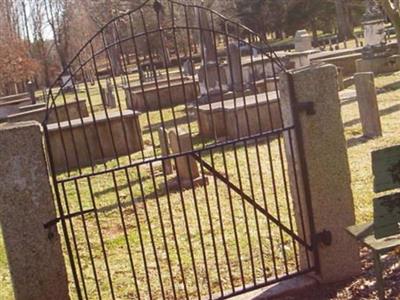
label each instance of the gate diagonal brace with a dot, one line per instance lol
(250, 200)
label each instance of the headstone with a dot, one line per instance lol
(103, 95)
(302, 41)
(66, 82)
(368, 104)
(357, 41)
(188, 67)
(142, 74)
(213, 82)
(110, 98)
(235, 66)
(187, 171)
(164, 145)
(340, 79)
(254, 52)
(31, 92)
(186, 166)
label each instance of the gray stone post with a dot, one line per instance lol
(35, 260)
(326, 164)
(368, 104)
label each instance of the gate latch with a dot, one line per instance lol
(323, 237)
(308, 107)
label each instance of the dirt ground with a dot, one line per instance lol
(362, 287)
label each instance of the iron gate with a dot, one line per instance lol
(134, 225)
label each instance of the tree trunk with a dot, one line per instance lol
(278, 34)
(345, 28)
(314, 31)
(114, 53)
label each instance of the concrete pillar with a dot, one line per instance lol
(368, 104)
(35, 260)
(324, 150)
(164, 145)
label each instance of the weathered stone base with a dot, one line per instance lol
(287, 288)
(70, 111)
(83, 144)
(32, 106)
(216, 97)
(176, 185)
(12, 107)
(240, 117)
(214, 79)
(14, 97)
(164, 97)
(379, 65)
(152, 84)
(346, 62)
(266, 85)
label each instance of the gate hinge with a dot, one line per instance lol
(323, 237)
(308, 107)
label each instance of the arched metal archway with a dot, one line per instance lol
(134, 225)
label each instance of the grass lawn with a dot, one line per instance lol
(162, 225)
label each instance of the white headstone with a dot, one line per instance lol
(66, 82)
(302, 41)
(374, 33)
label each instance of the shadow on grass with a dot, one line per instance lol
(391, 87)
(383, 112)
(357, 141)
(394, 86)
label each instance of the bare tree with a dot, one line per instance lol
(58, 13)
(343, 17)
(16, 65)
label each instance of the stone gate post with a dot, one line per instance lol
(35, 259)
(323, 145)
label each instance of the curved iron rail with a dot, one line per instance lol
(267, 52)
